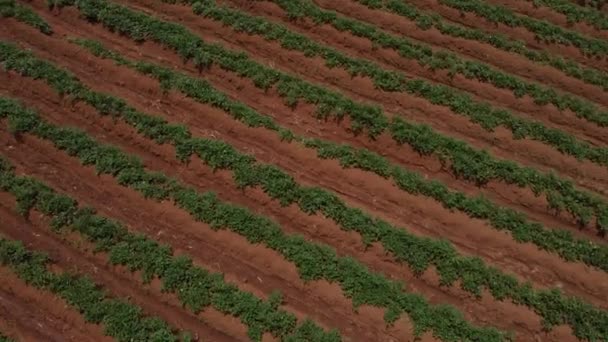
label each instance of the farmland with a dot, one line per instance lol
(303, 170)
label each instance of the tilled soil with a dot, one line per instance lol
(30, 314)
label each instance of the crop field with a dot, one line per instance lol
(303, 170)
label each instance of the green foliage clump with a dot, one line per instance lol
(314, 261)
(280, 186)
(12, 9)
(207, 208)
(474, 165)
(4, 338)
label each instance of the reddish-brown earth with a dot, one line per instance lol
(36, 315)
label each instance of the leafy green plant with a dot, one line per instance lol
(419, 253)
(10, 8)
(596, 4)
(206, 207)
(121, 320)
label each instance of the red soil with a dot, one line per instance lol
(253, 267)
(256, 269)
(320, 230)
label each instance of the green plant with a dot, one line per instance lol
(10, 8)
(313, 261)
(395, 81)
(419, 253)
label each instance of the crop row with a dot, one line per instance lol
(313, 261)
(419, 253)
(427, 21)
(12, 9)
(543, 30)
(396, 81)
(597, 4)
(464, 161)
(556, 241)
(575, 13)
(123, 321)
(194, 286)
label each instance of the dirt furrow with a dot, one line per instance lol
(540, 207)
(471, 20)
(549, 115)
(508, 62)
(542, 154)
(25, 319)
(70, 252)
(357, 193)
(545, 13)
